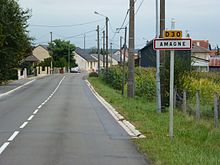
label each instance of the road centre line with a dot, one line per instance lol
(13, 136)
(30, 118)
(35, 112)
(23, 125)
(3, 147)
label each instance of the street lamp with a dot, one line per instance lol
(106, 22)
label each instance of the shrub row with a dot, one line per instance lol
(207, 85)
(145, 81)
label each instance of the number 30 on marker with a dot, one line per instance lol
(172, 34)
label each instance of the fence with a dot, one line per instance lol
(196, 106)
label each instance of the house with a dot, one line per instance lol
(39, 54)
(202, 43)
(111, 60)
(85, 61)
(214, 63)
(200, 58)
(116, 56)
(147, 56)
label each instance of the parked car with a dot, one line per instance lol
(75, 70)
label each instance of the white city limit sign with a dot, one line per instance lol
(173, 44)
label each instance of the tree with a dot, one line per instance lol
(60, 50)
(14, 39)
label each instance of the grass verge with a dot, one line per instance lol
(194, 143)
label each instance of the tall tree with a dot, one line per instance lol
(60, 50)
(14, 40)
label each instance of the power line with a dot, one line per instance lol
(60, 26)
(122, 25)
(139, 7)
(111, 27)
(80, 34)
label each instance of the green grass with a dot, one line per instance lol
(194, 143)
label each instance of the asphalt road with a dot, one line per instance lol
(56, 120)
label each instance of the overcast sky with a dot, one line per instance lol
(199, 17)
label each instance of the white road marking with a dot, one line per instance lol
(30, 118)
(35, 112)
(126, 125)
(9, 92)
(13, 135)
(23, 125)
(4, 146)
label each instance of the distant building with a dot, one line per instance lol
(214, 63)
(200, 58)
(111, 60)
(202, 43)
(85, 61)
(38, 55)
(147, 55)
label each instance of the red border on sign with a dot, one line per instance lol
(156, 39)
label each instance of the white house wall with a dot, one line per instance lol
(41, 53)
(82, 63)
(85, 65)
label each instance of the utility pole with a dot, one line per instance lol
(162, 17)
(51, 61)
(158, 63)
(103, 54)
(111, 53)
(98, 49)
(120, 50)
(125, 49)
(106, 20)
(69, 59)
(84, 42)
(162, 57)
(131, 91)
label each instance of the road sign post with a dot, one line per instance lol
(172, 41)
(172, 44)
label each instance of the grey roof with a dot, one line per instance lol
(85, 55)
(96, 56)
(199, 49)
(45, 46)
(31, 58)
(116, 57)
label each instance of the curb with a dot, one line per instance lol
(13, 90)
(126, 125)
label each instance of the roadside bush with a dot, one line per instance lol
(93, 74)
(207, 87)
(145, 83)
(114, 77)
